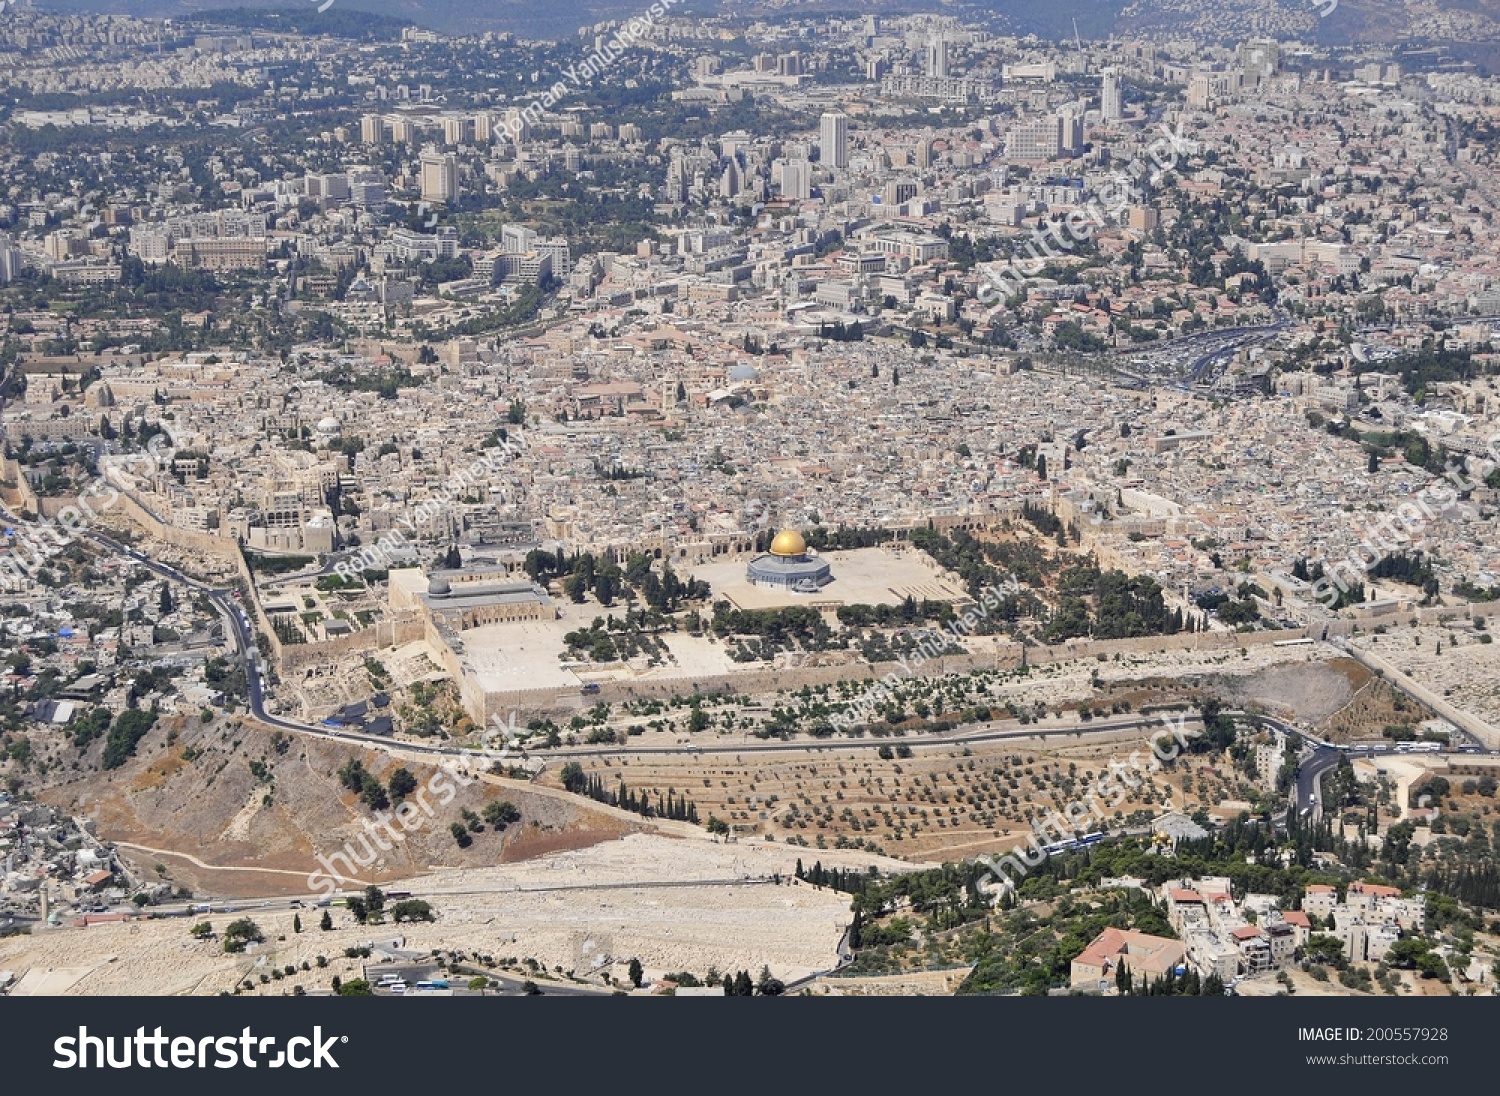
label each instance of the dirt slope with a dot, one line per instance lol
(191, 789)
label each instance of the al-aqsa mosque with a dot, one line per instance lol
(789, 566)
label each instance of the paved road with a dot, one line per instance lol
(1324, 757)
(511, 986)
(1309, 775)
(237, 625)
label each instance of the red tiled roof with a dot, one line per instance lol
(1143, 952)
(1104, 947)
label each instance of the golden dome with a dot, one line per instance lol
(789, 542)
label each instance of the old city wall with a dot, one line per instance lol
(553, 702)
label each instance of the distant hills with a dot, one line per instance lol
(380, 18)
(1465, 25)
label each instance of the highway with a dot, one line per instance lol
(1307, 801)
(237, 625)
(1324, 757)
(1309, 777)
(236, 622)
(510, 984)
(1202, 350)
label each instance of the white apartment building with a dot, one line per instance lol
(439, 176)
(1037, 139)
(833, 139)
